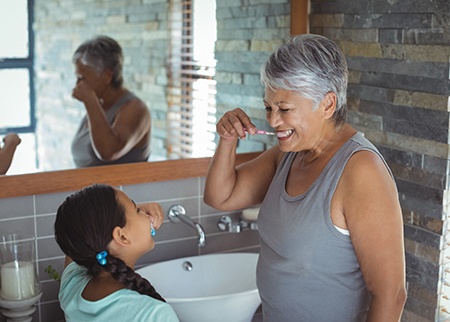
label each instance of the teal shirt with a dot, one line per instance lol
(122, 305)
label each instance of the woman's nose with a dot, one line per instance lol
(273, 119)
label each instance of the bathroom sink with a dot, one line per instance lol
(208, 288)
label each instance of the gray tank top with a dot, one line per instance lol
(83, 153)
(307, 269)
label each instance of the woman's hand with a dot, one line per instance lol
(83, 92)
(155, 211)
(234, 124)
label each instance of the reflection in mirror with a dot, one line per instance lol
(246, 34)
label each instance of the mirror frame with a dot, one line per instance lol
(115, 175)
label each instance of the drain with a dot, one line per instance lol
(187, 266)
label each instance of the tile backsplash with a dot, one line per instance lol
(35, 215)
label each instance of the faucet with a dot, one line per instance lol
(177, 213)
(226, 223)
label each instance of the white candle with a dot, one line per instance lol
(17, 280)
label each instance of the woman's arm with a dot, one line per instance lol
(229, 187)
(373, 217)
(130, 126)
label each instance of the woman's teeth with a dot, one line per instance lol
(284, 134)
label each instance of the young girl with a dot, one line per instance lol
(103, 233)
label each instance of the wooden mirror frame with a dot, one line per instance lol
(116, 175)
(299, 17)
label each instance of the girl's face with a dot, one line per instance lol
(297, 124)
(138, 226)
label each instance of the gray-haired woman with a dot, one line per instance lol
(330, 221)
(116, 128)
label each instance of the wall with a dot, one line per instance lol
(246, 36)
(35, 215)
(398, 55)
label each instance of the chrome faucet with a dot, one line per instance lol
(177, 213)
(226, 223)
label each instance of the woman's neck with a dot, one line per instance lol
(330, 141)
(111, 96)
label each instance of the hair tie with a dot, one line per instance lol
(101, 257)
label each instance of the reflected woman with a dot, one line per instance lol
(117, 125)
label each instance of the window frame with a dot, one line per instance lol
(184, 73)
(28, 64)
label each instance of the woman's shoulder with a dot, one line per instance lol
(132, 103)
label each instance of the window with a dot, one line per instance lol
(192, 89)
(16, 77)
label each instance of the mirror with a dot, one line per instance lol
(143, 32)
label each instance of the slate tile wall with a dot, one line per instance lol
(398, 55)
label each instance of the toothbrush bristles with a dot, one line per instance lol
(263, 132)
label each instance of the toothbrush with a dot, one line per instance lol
(261, 132)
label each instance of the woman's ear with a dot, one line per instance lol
(329, 104)
(107, 75)
(119, 236)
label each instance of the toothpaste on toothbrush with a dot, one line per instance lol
(261, 132)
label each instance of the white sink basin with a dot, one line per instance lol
(217, 288)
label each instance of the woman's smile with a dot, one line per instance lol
(284, 135)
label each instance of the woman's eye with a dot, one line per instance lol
(283, 110)
(268, 109)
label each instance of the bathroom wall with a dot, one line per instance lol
(247, 33)
(398, 56)
(35, 215)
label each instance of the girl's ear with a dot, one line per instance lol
(119, 236)
(329, 104)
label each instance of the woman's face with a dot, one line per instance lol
(297, 124)
(138, 226)
(92, 78)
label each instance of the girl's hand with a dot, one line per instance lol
(12, 138)
(234, 124)
(155, 211)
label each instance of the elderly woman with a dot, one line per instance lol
(330, 221)
(116, 128)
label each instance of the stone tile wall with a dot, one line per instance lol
(247, 33)
(398, 55)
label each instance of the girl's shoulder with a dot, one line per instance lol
(146, 308)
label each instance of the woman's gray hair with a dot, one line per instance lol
(312, 66)
(102, 53)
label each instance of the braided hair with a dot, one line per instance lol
(83, 228)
